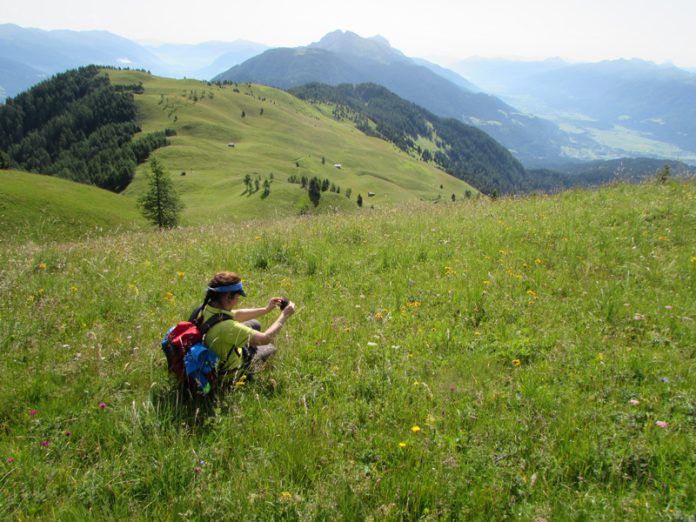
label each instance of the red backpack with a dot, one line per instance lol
(178, 342)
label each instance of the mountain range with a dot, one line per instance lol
(545, 113)
(28, 56)
(345, 57)
(632, 106)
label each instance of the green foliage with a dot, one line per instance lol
(77, 126)
(516, 360)
(160, 204)
(5, 161)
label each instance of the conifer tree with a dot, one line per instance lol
(160, 204)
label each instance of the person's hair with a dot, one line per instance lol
(220, 279)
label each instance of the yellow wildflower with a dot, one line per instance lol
(402, 445)
(693, 259)
(42, 266)
(531, 293)
(516, 363)
(538, 261)
(73, 289)
(181, 274)
(415, 429)
(169, 296)
(663, 238)
(286, 494)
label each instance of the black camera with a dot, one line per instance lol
(283, 303)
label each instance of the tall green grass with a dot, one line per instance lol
(478, 360)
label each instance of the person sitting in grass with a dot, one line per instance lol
(240, 344)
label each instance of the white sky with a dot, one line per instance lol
(440, 30)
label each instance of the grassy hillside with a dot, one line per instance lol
(524, 358)
(290, 138)
(43, 208)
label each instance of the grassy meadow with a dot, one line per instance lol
(274, 134)
(527, 359)
(41, 208)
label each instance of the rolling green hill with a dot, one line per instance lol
(39, 208)
(272, 133)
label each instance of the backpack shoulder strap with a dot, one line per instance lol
(212, 321)
(194, 315)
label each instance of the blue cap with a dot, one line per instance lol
(237, 287)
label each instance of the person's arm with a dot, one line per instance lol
(244, 314)
(261, 338)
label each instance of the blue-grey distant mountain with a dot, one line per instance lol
(28, 56)
(637, 106)
(348, 58)
(204, 60)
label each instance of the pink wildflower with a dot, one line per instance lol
(661, 424)
(9, 460)
(635, 402)
(102, 405)
(637, 317)
(45, 443)
(33, 413)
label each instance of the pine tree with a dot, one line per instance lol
(160, 204)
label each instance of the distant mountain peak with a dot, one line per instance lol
(376, 48)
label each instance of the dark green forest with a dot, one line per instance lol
(462, 150)
(77, 126)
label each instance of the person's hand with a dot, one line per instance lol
(289, 310)
(275, 301)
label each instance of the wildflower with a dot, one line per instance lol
(45, 443)
(634, 402)
(516, 363)
(402, 445)
(538, 261)
(413, 304)
(33, 413)
(73, 289)
(661, 424)
(416, 383)
(663, 238)
(693, 259)
(379, 315)
(181, 274)
(531, 293)
(9, 460)
(169, 296)
(664, 379)
(68, 433)
(197, 470)
(286, 494)
(42, 266)
(638, 317)
(370, 343)
(449, 271)
(415, 429)
(102, 405)
(477, 333)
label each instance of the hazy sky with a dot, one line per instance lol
(442, 30)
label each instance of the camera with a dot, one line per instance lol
(283, 303)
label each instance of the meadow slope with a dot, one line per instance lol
(521, 358)
(275, 136)
(41, 208)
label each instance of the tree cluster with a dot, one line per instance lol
(78, 126)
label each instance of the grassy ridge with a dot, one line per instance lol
(479, 360)
(290, 138)
(43, 208)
